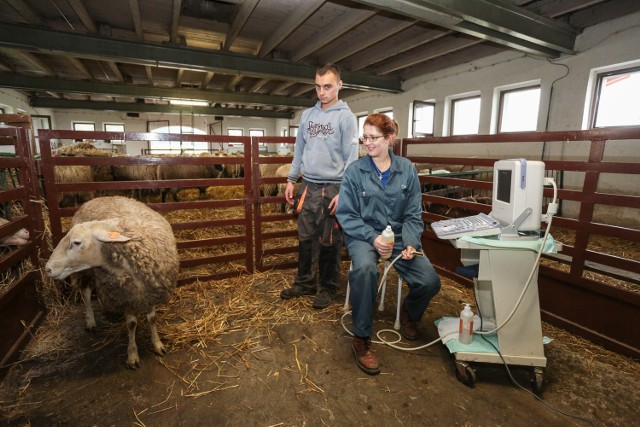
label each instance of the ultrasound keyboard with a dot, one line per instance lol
(474, 226)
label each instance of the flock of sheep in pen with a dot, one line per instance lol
(74, 174)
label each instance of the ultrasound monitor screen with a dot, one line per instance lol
(504, 186)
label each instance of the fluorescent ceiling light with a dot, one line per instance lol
(187, 102)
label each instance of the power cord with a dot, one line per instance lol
(515, 383)
(379, 334)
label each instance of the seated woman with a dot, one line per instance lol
(377, 190)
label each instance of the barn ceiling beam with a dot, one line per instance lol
(493, 20)
(95, 47)
(140, 107)
(18, 81)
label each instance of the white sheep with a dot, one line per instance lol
(19, 238)
(127, 252)
(268, 170)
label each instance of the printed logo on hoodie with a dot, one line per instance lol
(316, 129)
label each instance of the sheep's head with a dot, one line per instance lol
(19, 238)
(81, 248)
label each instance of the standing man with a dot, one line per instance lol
(327, 142)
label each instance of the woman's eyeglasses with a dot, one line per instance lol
(371, 138)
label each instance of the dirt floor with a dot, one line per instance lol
(239, 355)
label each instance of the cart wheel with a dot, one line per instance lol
(465, 374)
(536, 380)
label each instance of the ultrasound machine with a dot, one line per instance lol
(505, 247)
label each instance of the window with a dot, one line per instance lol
(262, 146)
(235, 132)
(388, 113)
(616, 99)
(293, 131)
(1, 110)
(465, 115)
(114, 127)
(84, 126)
(519, 109)
(361, 119)
(423, 116)
(174, 147)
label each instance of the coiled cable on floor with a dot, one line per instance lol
(379, 334)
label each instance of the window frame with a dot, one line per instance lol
(74, 123)
(114, 141)
(417, 104)
(360, 119)
(386, 112)
(501, 99)
(452, 113)
(595, 96)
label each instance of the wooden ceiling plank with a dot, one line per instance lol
(147, 70)
(175, 21)
(33, 60)
(137, 20)
(206, 79)
(258, 85)
(281, 87)
(294, 20)
(234, 82)
(26, 12)
(79, 65)
(114, 68)
(426, 53)
(179, 77)
(81, 11)
(363, 42)
(239, 22)
(391, 48)
(326, 35)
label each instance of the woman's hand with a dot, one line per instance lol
(384, 249)
(409, 253)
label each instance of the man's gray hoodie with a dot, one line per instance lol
(327, 142)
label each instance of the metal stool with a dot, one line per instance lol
(396, 325)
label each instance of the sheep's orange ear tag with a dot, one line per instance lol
(111, 236)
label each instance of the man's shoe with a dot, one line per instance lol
(408, 328)
(296, 291)
(365, 358)
(322, 300)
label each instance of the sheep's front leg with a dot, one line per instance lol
(89, 318)
(158, 347)
(133, 360)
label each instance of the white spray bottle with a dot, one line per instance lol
(388, 238)
(466, 325)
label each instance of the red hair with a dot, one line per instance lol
(386, 125)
